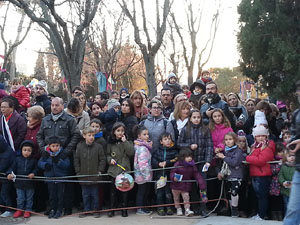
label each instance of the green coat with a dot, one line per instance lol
(88, 160)
(286, 174)
(121, 153)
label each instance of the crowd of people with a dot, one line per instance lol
(185, 143)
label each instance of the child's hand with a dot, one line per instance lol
(287, 184)
(162, 164)
(31, 175)
(220, 155)
(220, 176)
(175, 179)
(10, 176)
(194, 146)
(217, 150)
(123, 139)
(113, 162)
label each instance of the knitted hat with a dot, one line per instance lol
(260, 118)
(27, 143)
(43, 84)
(260, 130)
(172, 75)
(124, 89)
(113, 103)
(241, 133)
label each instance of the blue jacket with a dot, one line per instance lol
(24, 166)
(234, 159)
(7, 157)
(59, 167)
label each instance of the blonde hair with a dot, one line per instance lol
(88, 130)
(135, 94)
(37, 112)
(212, 124)
(180, 106)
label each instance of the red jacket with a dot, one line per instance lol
(258, 160)
(23, 96)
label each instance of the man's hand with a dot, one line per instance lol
(194, 146)
(162, 164)
(31, 175)
(291, 146)
(209, 112)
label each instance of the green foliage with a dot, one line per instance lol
(269, 44)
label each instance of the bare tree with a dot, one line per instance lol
(148, 50)
(70, 53)
(10, 48)
(193, 20)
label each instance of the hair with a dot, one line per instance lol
(76, 88)
(104, 103)
(286, 154)
(183, 153)
(233, 135)
(9, 101)
(53, 140)
(16, 81)
(136, 94)
(114, 92)
(74, 105)
(37, 112)
(177, 96)
(212, 82)
(185, 86)
(60, 100)
(222, 95)
(166, 89)
(236, 96)
(212, 124)
(165, 134)
(154, 101)
(131, 106)
(279, 147)
(274, 108)
(180, 106)
(97, 121)
(250, 100)
(88, 130)
(115, 127)
(95, 103)
(189, 125)
(137, 130)
(265, 106)
(104, 95)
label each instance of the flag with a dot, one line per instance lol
(6, 133)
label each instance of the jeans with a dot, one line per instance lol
(261, 186)
(164, 195)
(25, 199)
(285, 203)
(292, 216)
(56, 195)
(90, 196)
(6, 194)
(142, 194)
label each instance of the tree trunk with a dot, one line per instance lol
(150, 75)
(190, 76)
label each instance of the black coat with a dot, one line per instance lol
(45, 102)
(129, 122)
(7, 157)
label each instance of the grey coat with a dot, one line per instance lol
(234, 160)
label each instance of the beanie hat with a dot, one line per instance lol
(241, 133)
(43, 84)
(113, 103)
(172, 75)
(260, 130)
(27, 143)
(260, 118)
(124, 89)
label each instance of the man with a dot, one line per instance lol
(292, 216)
(166, 98)
(64, 127)
(101, 96)
(214, 101)
(41, 96)
(76, 90)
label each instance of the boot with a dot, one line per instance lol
(279, 215)
(111, 213)
(273, 215)
(112, 203)
(234, 211)
(124, 213)
(203, 211)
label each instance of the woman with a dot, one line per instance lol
(181, 115)
(139, 105)
(128, 118)
(238, 109)
(34, 116)
(81, 117)
(96, 110)
(82, 101)
(16, 123)
(250, 107)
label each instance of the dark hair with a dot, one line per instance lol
(114, 92)
(97, 121)
(265, 106)
(165, 134)
(53, 140)
(154, 102)
(185, 152)
(137, 130)
(166, 89)
(74, 105)
(77, 88)
(95, 103)
(279, 147)
(189, 126)
(103, 103)
(212, 82)
(131, 106)
(116, 126)
(11, 101)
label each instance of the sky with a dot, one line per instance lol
(224, 54)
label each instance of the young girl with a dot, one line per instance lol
(119, 151)
(242, 142)
(285, 176)
(197, 137)
(188, 170)
(233, 157)
(142, 168)
(261, 153)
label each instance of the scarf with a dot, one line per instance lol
(181, 124)
(56, 116)
(191, 163)
(260, 144)
(6, 132)
(15, 89)
(147, 144)
(99, 135)
(230, 148)
(34, 124)
(52, 154)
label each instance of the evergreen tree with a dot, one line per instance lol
(39, 69)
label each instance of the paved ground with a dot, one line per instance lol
(137, 220)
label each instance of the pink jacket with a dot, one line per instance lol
(218, 135)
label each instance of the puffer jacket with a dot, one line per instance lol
(286, 174)
(7, 157)
(142, 162)
(89, 160)
(234, 159)
(57, 169)
(65, 128)
(156, 126)
(121, 152)
(189, 172)
(129, 122)
(45, 102)
(258, 159)
(82, 119)
(23, 96)
(24, 166)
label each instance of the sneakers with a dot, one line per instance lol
(189, 212)
(6, 214)
(161, 212)
(256, 217)
(96, 215)
(142, 212)
(51, 214)
(234, 212)
(169, 211)
(179, 212)
(57, 214)
(17, 214)
(26, 214)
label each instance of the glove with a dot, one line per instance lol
(48, 166)
(203, 196)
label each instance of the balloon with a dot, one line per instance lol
(124, 182)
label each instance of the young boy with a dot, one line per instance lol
(98, 128)
(89, 159)
(205, 76)
(54, 165)
(21, 93)
(24, 165)
(172, 83)
(164, 156)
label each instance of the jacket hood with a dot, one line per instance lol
(27, 143)
(200, 84)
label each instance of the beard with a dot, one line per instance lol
(211, 97)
